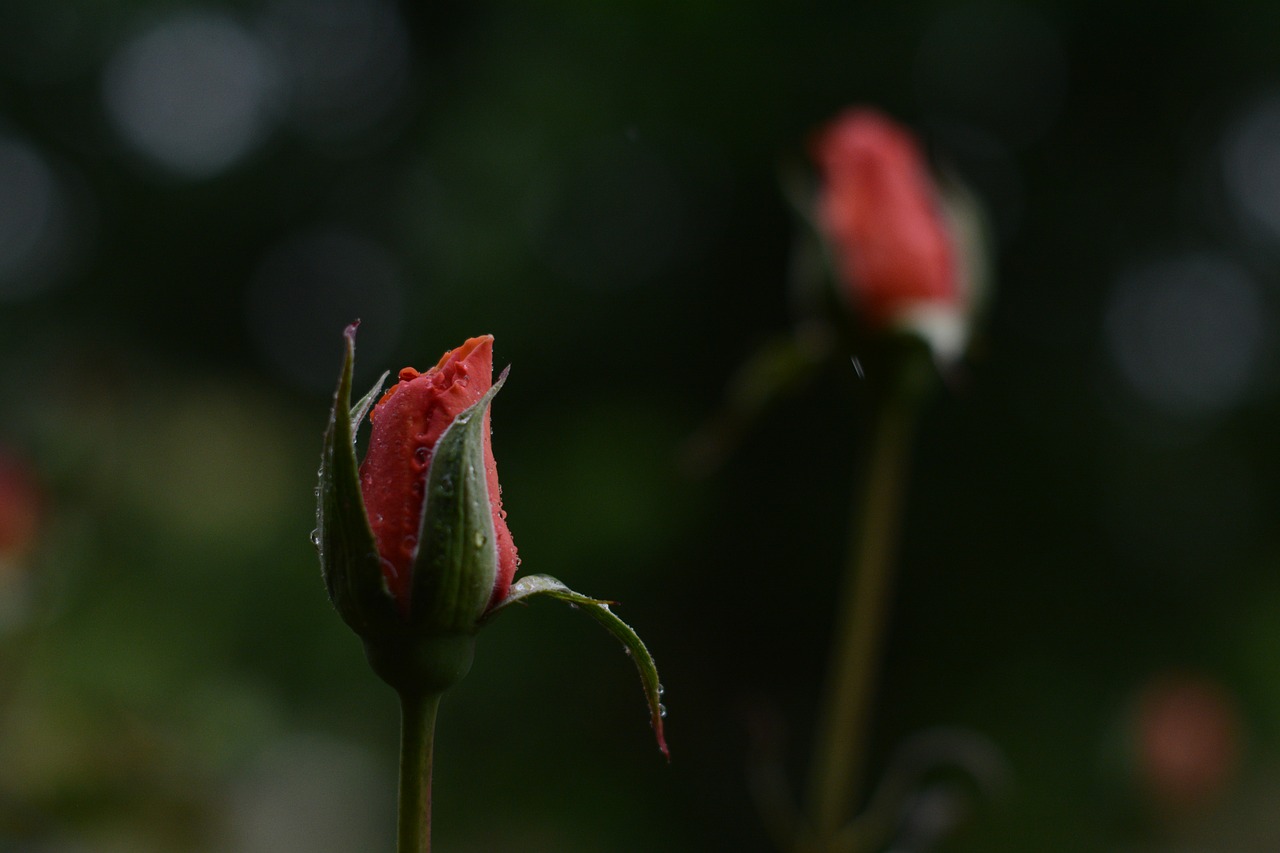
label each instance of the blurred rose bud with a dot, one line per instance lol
(1187, 741)
(415, 547)
(889, 231)
(20, 508)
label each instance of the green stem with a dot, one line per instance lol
(840, 748)
(417, 741)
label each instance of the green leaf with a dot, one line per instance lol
(349, 558)
(457, 561)
(527, 587)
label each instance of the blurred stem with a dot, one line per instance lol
(840, 748)
(417, 742)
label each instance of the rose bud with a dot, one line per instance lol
(408, 423)
(414, 545)
(890, 233)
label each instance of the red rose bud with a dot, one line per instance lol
(408, 422)
(414, 545)
(882, 216)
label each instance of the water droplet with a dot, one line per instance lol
(661, 690)
(421, 456)
(662, 710)
(315, 537)
(480, 539)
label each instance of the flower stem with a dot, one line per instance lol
(840, 748)
(417, 741)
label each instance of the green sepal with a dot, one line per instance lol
(456, 565)
(421, 666)
(349, 559)
(364, 404)
(532, 585)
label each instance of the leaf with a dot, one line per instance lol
(349, 558)
(598, 609)
(457, 561)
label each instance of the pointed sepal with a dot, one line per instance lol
(365, 403)
(456, 566)
(533, 585)
(349, 558)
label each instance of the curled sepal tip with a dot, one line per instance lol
(532, 585)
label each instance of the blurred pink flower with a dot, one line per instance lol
(881, 213)
(21, 507)
(1187, 737)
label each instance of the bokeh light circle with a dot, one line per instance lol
(35, 221)
(1188, 333)
(193, 93)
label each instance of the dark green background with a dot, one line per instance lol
(596, 184)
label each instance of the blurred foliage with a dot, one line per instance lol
(195, 198)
